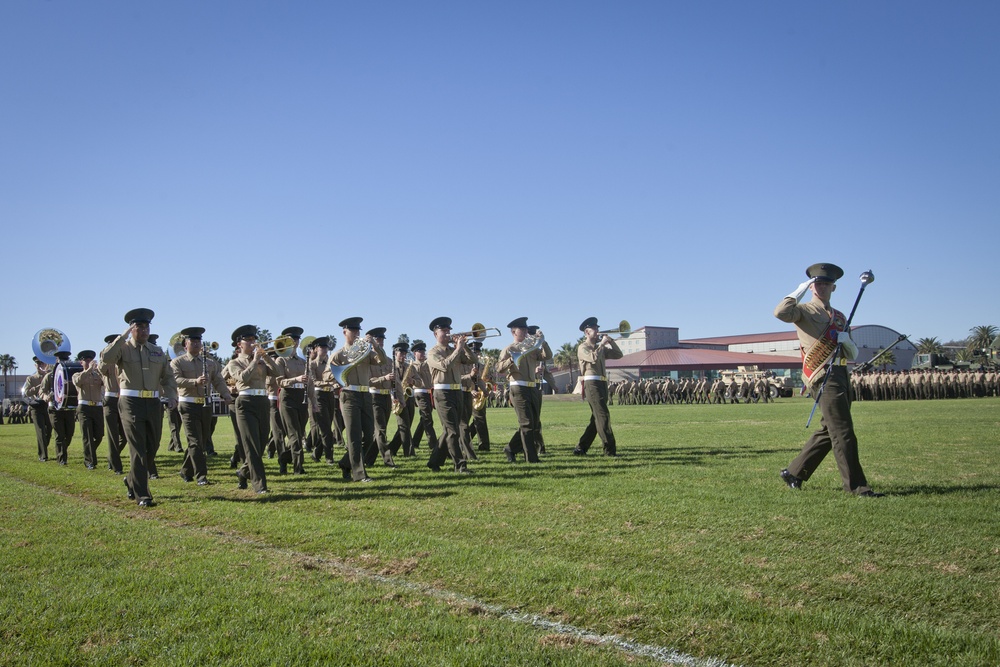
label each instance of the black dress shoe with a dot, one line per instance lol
(434, 467)
(614, 455)
(791, 480)
(154, 477)
(871, 494)
(365, 480)
(483, 448)
(146, 503)
(232, 462)
(510, 456)
(128, 490)
(579, 452)
(263, 492)
(90, 467)
(241, 479)
(464, 471)
(185, 478)
(282, 468)
(270, 455)
(317, 455)
(345, 473)
(202, 482)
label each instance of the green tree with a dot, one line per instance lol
(930, 346)
(887, 359)
(7, 365)
(565, 356)
(981, 337)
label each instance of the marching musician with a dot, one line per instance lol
(251, 368)
(821, 330)
(237, 458)
(479, 426)
(523, 394)
(39, 416)
(326, 407)
(355, 401)
(293, 404)
(276, 437)
(445, 363)
(592, 354)
(90, 406)
(468, 372)
(196, 374)
(63, 420)
(151, 461)
(402, 401)
(422, 384)
(144, 374)
(112, 416)
(380, 389)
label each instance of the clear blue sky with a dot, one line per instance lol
(670, 163)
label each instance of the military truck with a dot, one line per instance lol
(779, 386)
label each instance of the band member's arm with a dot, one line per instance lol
(505, 363)
(186, 383)
(612, 351)
(169, 385)
(112, 354)
(219, 383)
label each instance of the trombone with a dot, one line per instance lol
(624, 328)
(282, 346)
(479, 332)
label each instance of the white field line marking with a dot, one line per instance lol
(663, 653)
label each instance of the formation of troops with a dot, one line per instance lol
(925, 384)
(692, 391)
(294, 407)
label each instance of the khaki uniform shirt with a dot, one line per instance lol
(140, 367)
(249, 373)
(89, 385)
(361, 374)
(811, 320)
(592, 357)
(420, 376)
(524, 370)
(446, 363)
(290, 370)
(187, 369)
(33, 387)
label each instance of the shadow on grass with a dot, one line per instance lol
(937, 490)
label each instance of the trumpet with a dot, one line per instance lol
(479, 332)
(624, 328)
(282, 346)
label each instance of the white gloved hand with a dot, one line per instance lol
(801, 290)
(850, 351)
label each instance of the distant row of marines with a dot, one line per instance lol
(925, 384)
(130, 384)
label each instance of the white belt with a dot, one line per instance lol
(421, 391)
(357, 387)
(272, 397)
(602, 378)
(134, 393)
(296, 385)
(447, 387)
(191, 399)
(522, 383)
(253, 392)
(83, 402)
(111, 394)
(326, 389)
(373, 390)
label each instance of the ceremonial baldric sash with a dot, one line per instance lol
(820, 352)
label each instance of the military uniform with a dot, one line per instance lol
(423, 385)
(39, 416)
(445, 364)
(143, 373)
(591, 357)
(356, 404)
(819, 330)
(252, 408)
(195, 404)
(404, 416)
(90, 408)
(523, 395)
(380, 389)
(112, 416)
(293, 405)
(63, 419)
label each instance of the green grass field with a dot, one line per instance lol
(689, 543)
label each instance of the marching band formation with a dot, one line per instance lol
(345, 397)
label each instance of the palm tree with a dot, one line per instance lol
(7, 364)
(566, 355)
(888, 359)
(981, 337)
(930, 346)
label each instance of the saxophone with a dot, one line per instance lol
(479, 398)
